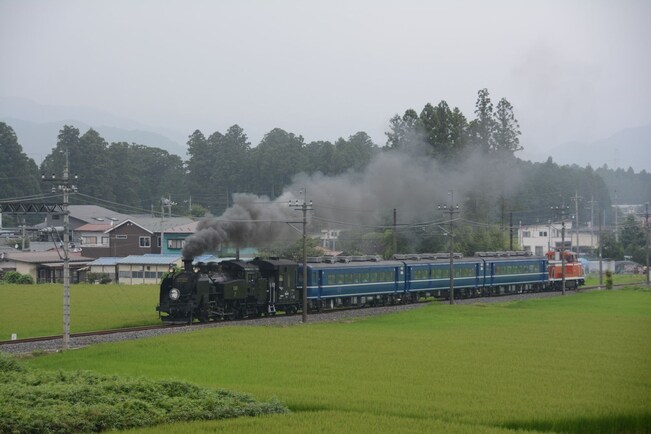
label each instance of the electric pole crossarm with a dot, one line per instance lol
(30, 208)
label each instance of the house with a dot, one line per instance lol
(138, 269)
(174, 238)
(541, 238)
(79, 215)
(101, 232)
(105, 266)
(124, 239)
(44, 267)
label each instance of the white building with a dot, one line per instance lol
(329, 238)
(540, 238)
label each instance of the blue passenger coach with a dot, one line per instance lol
(516, 273)
(360, 280)
(363, 280)
(427, 276)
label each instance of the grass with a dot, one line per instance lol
(37, 401)
(37, 310)
(579, 363)
(592, 279)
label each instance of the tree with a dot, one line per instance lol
(124, 170)
(445, 130)
(354, 153)
(507, 129)
(482, 128)
(18, 174)
(404, 130)
(279, 156)
(633, 239)
(199, 167)
(90, 162)
(230, 171)
(67, 144)
(611, 248)
(320, 158)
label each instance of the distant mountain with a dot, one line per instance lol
(626, 148)
(37, 127)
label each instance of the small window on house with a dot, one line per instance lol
(120, 237)
(105, 241)
(145, 242)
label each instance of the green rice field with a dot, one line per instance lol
(37, 310)
(579, 363)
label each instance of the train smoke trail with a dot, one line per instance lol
(251, 220)
(407, 179)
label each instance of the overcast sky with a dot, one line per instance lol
(573, 70)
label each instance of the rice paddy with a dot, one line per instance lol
(579, 363)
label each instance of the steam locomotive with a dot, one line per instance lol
(234, 289)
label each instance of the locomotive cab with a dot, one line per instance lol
(565, 265)
(281, 290)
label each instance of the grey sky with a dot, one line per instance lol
(573, 70)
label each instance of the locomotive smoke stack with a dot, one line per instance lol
(187, 264)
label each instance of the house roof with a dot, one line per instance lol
(127, 222)
(49, 256)
(185, 228)
(95, 214)
(109, 260)
(94, 227)
(155, 224)
(149, 260)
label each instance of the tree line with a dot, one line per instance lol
(132, 178)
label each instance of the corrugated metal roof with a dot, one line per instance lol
(92, 227)
(186, 228)
(149, 260)
(47, 256)
(109, 260)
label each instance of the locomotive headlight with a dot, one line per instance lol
(174, 294)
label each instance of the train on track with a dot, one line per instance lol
(233, 289)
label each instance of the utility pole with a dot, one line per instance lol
(511, 230)
(562, 209)
(305, 207)
(592, 222)
(576, 229)
(66, 188)
(451, 209)
(395, 235)
(646, 227)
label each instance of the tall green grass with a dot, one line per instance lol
(37, 310)
(579, 363)
(39, 401)
(592, 279)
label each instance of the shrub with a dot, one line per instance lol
(26, 279)
(609, 279)
(81, 401)
(12, 277)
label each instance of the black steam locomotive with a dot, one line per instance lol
(228, 290)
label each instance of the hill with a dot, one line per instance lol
(626, 148)
(37, 127)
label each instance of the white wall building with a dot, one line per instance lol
(540, 238)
